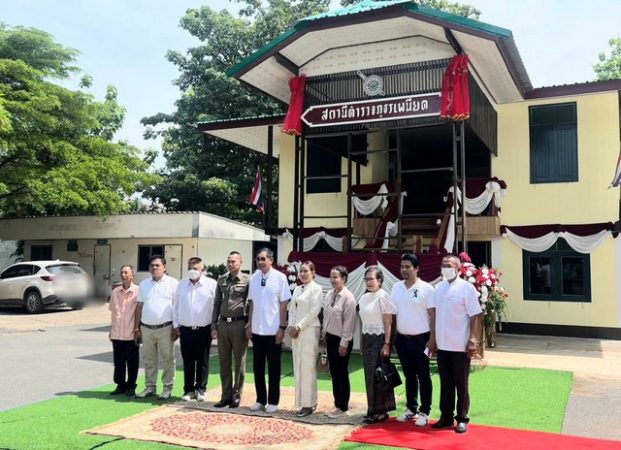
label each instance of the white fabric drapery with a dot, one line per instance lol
(581, 244)
(355, 282)
(367, 207)
(477, 205)
(335, 242)
(392, 228)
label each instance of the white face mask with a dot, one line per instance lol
(449, 273)
(194, 274)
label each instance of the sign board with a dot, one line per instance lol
(377, 110)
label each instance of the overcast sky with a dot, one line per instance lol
(123, 42)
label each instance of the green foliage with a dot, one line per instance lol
(216, 270)
(609, 66)
(56, 150)
(204, 173)
(444, 5)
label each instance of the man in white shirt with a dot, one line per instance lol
(458, 321)
(268, 294)
(413, 301)
(192, 311)
(154, 325)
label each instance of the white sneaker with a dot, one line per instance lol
(148, 392)
(200, 396)
(271, 409)
(189, 396)
(257, 407)
(422, 420)
(407, 416)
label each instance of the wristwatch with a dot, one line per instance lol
(282, 327)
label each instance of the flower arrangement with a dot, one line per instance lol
(492, 295)
(290, 270)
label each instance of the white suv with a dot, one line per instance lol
(37, 284)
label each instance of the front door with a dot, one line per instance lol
(101, 269)
(174, 260)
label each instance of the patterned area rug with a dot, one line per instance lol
(286, 408)
(189, 427)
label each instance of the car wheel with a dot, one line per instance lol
(33, 302)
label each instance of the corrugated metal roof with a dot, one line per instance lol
(234, 119)
(363, 6)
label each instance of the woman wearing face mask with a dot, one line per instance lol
(304, 330)
(192, 312)
(376, 314)
(339, 323)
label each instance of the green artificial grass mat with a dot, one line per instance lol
(529, 399)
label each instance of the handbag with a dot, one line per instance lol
(386, 373)
(322, 363)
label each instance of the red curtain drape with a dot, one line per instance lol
(455, 102)
(293, 121)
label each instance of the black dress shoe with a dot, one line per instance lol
(222, 403)
(461, 427)
(443, 423)
(131, 392)
(234, 404)
(118, 391)
(375, 418)
(304, 412)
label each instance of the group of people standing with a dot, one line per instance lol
(237, 308)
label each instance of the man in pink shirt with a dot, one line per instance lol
(124, 343)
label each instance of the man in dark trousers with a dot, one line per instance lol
(268, 295)
(230, 317)
(458, 321)
(192, 312)
(124, 340)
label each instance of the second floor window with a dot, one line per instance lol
(553, 143)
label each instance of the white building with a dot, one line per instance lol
(103, 245)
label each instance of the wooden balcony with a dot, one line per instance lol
(482, 226)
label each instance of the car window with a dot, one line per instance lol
(19, 270)
(65, 269)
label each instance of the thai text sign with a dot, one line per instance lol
(377, 110)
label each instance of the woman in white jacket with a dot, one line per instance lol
(304, 328)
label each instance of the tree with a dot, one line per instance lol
(205, 173)
(56, 150)
(444, 5)
(609, 66)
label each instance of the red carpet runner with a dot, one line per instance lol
(478, 437)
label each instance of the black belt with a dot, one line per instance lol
(195, 327)
(156, 327)
(412, 336)
(233, 319)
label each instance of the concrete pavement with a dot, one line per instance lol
(595, 401)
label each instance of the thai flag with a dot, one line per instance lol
(256, 196)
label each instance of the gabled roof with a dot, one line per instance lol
(381, 33)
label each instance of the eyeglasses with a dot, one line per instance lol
(261, 258)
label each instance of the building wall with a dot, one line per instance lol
(125, 251)
(216, 251)
(326, 204)
(585, 201)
